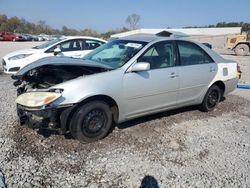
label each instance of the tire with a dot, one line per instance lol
(241, 49)
(91, 122)
(211, 99)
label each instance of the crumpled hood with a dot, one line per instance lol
(24, 51)
(57, 61)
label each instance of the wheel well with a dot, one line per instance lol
(110, 101)
(66, 116)
(247, 43)
(221, 85)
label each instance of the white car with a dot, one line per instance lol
(75, 47)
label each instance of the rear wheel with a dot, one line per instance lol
(91, 122)
(211, 99)
(242, 49)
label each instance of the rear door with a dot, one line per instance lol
(197, 70)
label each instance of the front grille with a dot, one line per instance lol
(14, 69)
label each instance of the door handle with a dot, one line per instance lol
(173, 75)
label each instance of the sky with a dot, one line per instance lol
(103, 15)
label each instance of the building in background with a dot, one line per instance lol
(183, 32)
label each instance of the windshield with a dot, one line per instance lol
(115, 53)
(47, 44)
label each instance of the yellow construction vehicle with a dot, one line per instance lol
(240, 44)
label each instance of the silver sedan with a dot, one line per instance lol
(121, 80)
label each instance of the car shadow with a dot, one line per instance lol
(146, 118)
(47, 133)
(133, 122)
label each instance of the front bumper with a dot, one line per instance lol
(8, 68)
(55, 119)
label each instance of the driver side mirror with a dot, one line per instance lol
(57, 51)
(140, 66)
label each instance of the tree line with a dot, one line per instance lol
(244, 26)
(20, 25)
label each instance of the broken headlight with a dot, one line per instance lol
(37, 99)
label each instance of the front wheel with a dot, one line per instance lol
(211, 99)
(91, 122)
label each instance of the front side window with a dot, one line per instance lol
(191, 54)
(115, 53)
(160, 55)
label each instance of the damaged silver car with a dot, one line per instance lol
(121, 80)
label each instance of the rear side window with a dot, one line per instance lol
(91, 44)
(72, 45)
(191, 54)
(67, 46)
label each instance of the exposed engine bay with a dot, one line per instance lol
(49, 75)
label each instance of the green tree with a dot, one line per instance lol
(107, 34)
(3, 19)
(89, 32)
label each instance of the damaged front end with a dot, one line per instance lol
(39, 106)
(55, 119)
(39, 110)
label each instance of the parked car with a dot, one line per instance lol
(122, 80)
(40, 38)
(45, 37)
(1, 36)
(10, 36)
(27, 37)
(34, 37)
(67, 46)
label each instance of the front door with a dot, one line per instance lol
(156, 89)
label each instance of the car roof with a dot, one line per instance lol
(144, 38)
(81, 37)
(154, 38)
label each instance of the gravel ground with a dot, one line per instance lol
(181, 148)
